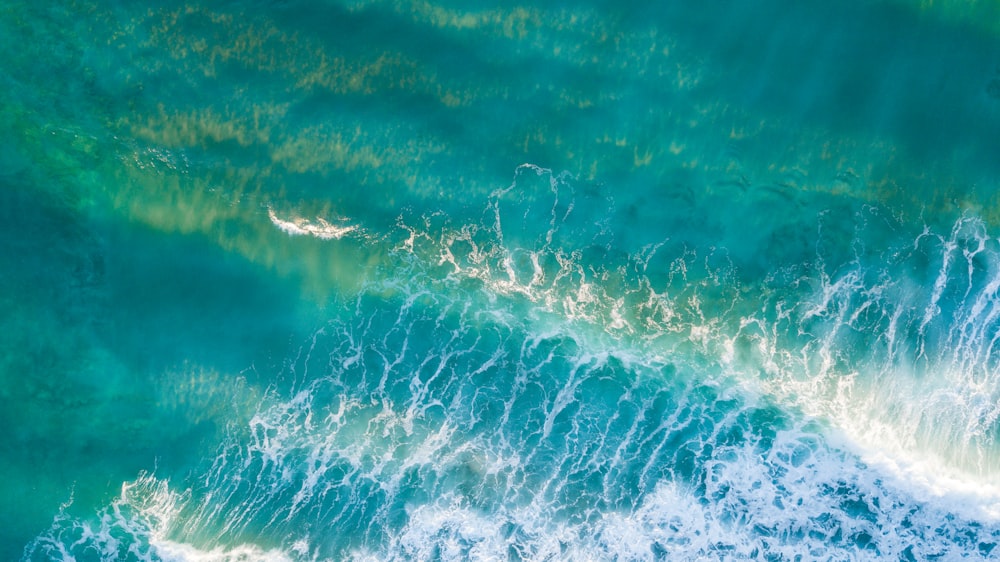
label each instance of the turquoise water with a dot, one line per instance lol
(381, 280)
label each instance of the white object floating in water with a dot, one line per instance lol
(298, 226)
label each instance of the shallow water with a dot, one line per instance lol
(410, 280)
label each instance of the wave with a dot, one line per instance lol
(320, 228)
(893, 339)
(519, 386)
(425, 430)
(133, 528)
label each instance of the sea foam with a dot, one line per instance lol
(498, 396)
(319, 228)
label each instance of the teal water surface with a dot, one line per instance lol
(399, 279)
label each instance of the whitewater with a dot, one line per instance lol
(410, 280)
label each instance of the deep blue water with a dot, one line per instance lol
(414, 280)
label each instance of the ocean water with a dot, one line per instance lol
(437, 280)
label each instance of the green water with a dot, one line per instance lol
(728, 159)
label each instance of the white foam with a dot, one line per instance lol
(319, 228)
(930, 433)
(377, 420)
(170, 551)
(137, 525)
(928, 479)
